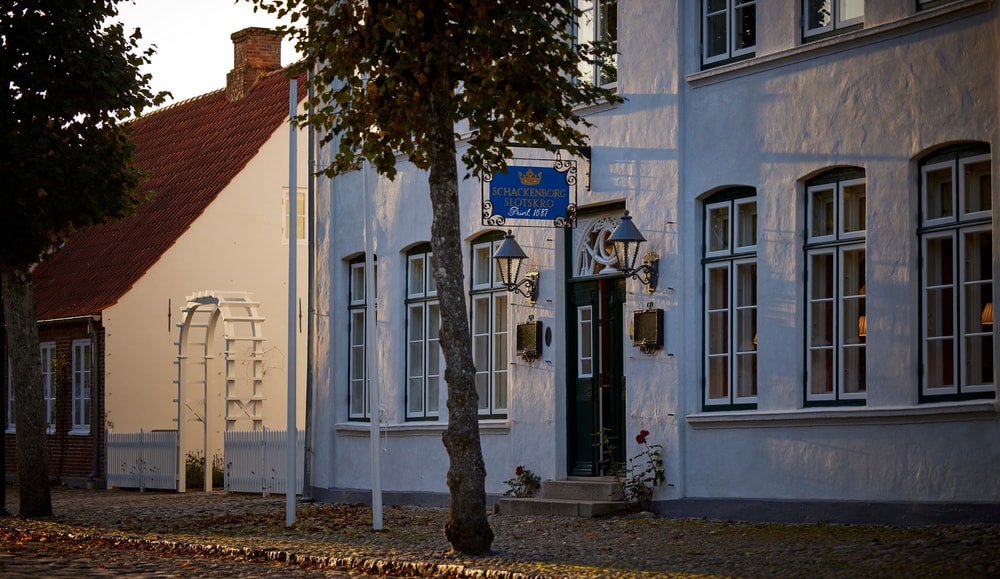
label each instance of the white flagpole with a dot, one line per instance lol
(370, 358)
(292, 254)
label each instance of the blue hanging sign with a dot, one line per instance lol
(532, 192)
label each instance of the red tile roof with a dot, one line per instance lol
(192, 150)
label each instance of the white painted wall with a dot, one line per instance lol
(236, 245)
(877, 98)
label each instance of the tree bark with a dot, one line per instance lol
(467, 529)
(29, 399)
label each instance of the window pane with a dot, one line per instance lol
(940, 363)
(500, 392)
(821, 371)
(817, 14)
(978, 187)
(584, 325)
(746, 225)
(431, 284)
(853, 208)
(746, 23)
(481, 265)
(609, 33)
(357, 283)
(939, 268)
(718, 229)
(850, 9)
(416, 323)
(821, 276)
(938, 193)
(746, 285)
(483, 389)
(433, 357)
(415, 397)
(746, 375)
(979, 360)
(715, 35)
(718, 332)
(415, 277)
(585, 35)
(718, 288)
(822, 213)
(718, 378)
(853, 372)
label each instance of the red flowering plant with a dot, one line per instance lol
(638, 477)
(523, 485)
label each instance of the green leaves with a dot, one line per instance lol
(73, 80)
(508, 68)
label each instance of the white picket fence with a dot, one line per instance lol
(142, 460)
(255, 460)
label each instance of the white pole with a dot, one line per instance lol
(292, 251)
(370, 358)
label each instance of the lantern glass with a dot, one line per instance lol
(509, 257)
(626, 240)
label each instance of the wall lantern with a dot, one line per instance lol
(627, 240)
(509, 257)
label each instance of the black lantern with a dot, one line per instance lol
(627, 240)
(509, 257)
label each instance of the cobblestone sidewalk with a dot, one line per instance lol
(330, 536)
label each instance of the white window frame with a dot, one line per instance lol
(845, 338)
(731, 12)
(48, 356)
(82, 370)
(358, 386)
(959, 315)
(585, 344)
(490, 328)
(837, 20)
(737, 346)
(424, 359)
(589, 27)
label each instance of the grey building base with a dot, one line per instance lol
(751, 510)
(840, 512)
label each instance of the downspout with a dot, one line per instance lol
(94, 429)
(310, 296)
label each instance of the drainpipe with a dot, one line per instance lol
(94, 429)
(310, 296)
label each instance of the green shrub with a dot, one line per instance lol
(194, 470)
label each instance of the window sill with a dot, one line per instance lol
(848, 40)
(79, 432)
(946, 412)
(363, 429)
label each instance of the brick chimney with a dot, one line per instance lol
(257, 51)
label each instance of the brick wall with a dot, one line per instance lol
(71, 456)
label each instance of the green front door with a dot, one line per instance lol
(596, 392)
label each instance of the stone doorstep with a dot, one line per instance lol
(561, 507)
(575, 497)
(582, 488)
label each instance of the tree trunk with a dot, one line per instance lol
(29, 398)
(467, 530)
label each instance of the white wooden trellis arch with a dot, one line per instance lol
(243, 370)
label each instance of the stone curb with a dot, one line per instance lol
(365, 565)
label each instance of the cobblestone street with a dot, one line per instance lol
(79, 559)
(114, 533)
